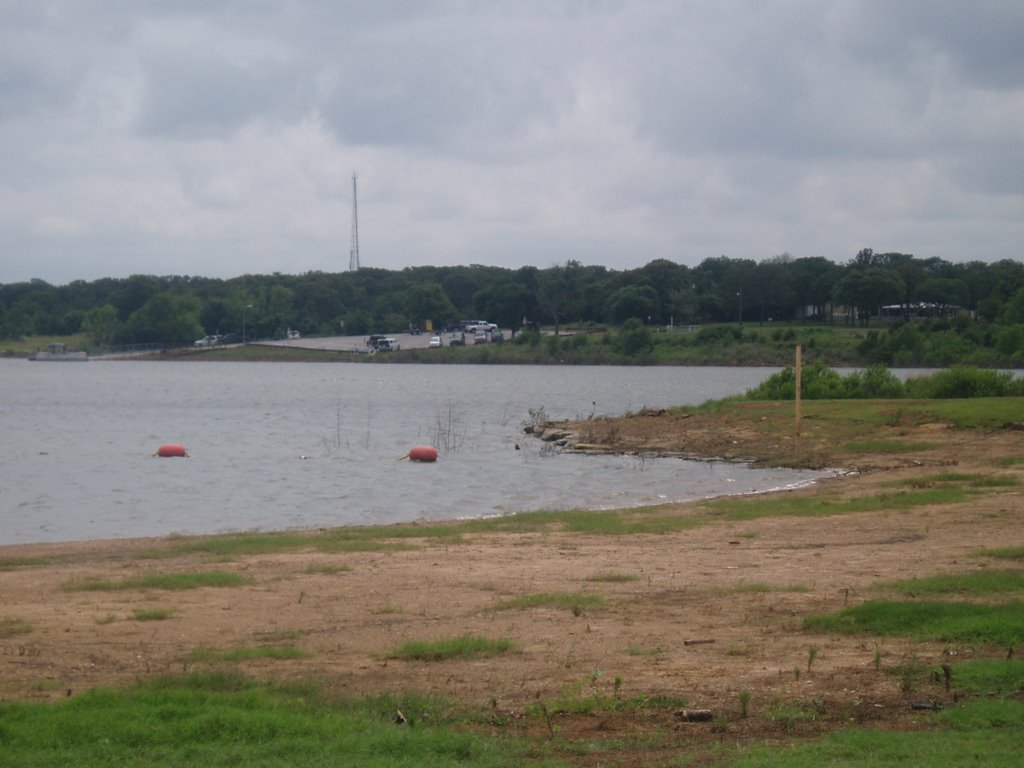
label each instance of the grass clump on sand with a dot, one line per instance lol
(14, 563)
(152, 614)
(168, 581)
(1004, 553)
(275, 652)
(577, 602)
(464, 647)
(12, 627)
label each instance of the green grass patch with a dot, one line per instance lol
(355, 539)
(219, 721)
(980, 733)
(14, 563)
(1004, 553)
(967, 413)
(760, 587)
(152, 614)
(274, 652)
(961, 622)
(886, 446)
(975, 583)
(969, 479)
(168, 581)
(1009, 461)
(989, 677)
(751, 507)
(281, 636)
(617, 522)
(12, 627)
(462, 648)
(614, 578)
(326, 569)
(577, 602)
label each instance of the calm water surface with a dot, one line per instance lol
(277, 446)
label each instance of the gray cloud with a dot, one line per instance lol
(197, 139)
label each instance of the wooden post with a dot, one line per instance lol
(798, 375)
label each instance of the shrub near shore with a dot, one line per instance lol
(878, 382)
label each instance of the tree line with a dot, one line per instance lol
(170, 310)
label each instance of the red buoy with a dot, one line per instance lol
(423, 453)
(171, 449)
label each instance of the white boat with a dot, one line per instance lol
(59, 352)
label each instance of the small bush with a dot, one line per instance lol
(962, 382)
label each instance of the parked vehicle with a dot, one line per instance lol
(374, 340)
(388, 345)
(472, 326)
(230, 338)
(480, 337)
(435, 342)
(206, 341)
(458, 339)
(497, 335)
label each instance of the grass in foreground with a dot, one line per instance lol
(982, 733)
(465, 647)
(225, 720)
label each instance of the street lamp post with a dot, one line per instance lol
(247, 307)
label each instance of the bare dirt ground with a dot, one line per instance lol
(702, 615)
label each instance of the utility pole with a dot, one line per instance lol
(353, 254)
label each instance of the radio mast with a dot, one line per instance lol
(353, 254)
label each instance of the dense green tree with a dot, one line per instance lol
(633, 301)
(428, 303)
(634, 339)
(506, 303)
(944, 291)
(133, 293)
(102, 324)
(559, 289)
(317, 308)
(775, 297)
(867, 289)
(167, 318)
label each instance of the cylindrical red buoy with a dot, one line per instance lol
(423, 453)
(171, 449)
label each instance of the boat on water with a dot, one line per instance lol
(59, 352)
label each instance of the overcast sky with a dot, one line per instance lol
(193, 137)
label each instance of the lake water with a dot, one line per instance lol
(278, 446)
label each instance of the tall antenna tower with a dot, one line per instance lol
(353, 254)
